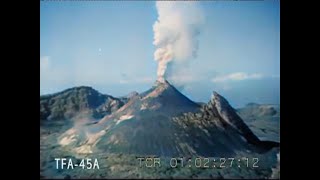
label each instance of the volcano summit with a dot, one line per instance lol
(162, 121)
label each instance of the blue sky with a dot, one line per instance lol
(108, 45)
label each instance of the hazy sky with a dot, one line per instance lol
(108, 45)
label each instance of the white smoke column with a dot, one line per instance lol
(175, 33)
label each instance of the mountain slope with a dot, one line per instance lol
(73, 101)
(224, 129)
(162, 121)
(253, 112)
(162, 98)
(142, 126)
(262, 119)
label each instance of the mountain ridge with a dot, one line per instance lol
(162, 121)
(77, 100)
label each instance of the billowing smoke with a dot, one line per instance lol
(175, 33)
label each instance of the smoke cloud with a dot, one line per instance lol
(175, 33)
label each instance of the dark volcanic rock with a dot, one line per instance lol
(164, 122)
(218, 115)
(127, 98)
(229, 115)
(71, 102)
(160, 122)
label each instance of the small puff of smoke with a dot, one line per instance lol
(175, 33)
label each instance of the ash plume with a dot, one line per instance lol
(175, 33)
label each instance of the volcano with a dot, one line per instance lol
(162, 99)
(163, 122)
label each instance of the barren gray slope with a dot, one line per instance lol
(153, 123)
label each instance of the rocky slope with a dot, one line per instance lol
(159, 122)
(252, 112)
(262, 119)
(162, 121)
(74, 101)
(142, 126)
